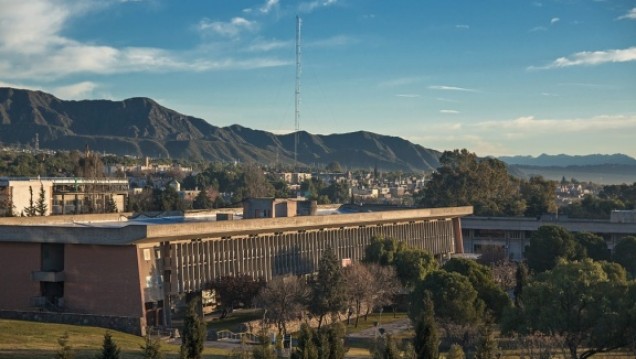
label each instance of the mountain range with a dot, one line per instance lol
(142, 127)
(563, 160)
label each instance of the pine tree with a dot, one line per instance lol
(426, 341)
(386, 348)
(65, 351)
(30, 210)
(521, 277)
(41, 206)
(264, 350)
(194, 332)
(111, 206)
(151, 348)
(110, 350)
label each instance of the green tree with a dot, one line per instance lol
(328, 294)
(236, 290)
(385, 347)
(110, 350)
(334, 166)
(589, 304)
(486, 347)
(521, 279)
(306, 347)
(65, 351)
(463, 179)
(335, 335)
(111, 206)
(40, 205)
(547, 245)
(382, 250)
(480, 277)
(625, 254)
(426, 340)
(193, 333)
(595, 246)
(412, 265)
(151, 348)
(202, 200)
(455, 299)
(30, 211)
(539, 195)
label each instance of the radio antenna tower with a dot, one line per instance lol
(297, 93)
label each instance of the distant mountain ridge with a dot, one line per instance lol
(562, 160)
(142, 127)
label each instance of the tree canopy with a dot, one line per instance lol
(547, 245)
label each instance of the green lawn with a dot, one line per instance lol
(33, 340)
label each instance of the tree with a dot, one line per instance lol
(110, 350)
(264, 350)
(547, 245)
(589, 304)
(386, 285)
(594, 246)
(283, 298)
(359, 286)
(334, 166)
(111, 206)
(412, 265)
(385, 347)
(328, 294)
(236, 290)
(465, 180)
(30, 211)
(521, 279)
(40, 205)
(426, 340)
(625, 254)
(487, 344)
(151, 348)
(65, 351)
(193, 333)
(539, 195)
(455, 299)
(480, 277)
(306, 347)
(202, 200)
(382, 250)
(333, 336)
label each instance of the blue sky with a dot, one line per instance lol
(499, 77)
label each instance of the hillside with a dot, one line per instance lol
(142, 127)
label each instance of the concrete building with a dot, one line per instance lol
(127, 273)
(62, 195)
(511, 235)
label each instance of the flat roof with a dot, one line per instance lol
(117, 229)
(533, 224)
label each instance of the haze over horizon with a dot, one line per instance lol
(495, 77)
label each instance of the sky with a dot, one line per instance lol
(498, 77)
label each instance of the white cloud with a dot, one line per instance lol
(590, 58)
(531, 125)
(631, 15)
(76, 91)
(230, 28)
(32, 46)
(268, 6)
(310, 6)
(451, 88)
(402, 81)
(462, 26)
(408, 95)
(449, 112)
(338, 40)
(554, 20)
(269, 45)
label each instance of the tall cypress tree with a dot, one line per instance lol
(426, 341)
(521, 278)
(41, 206)
(194, 332)
(306, 347)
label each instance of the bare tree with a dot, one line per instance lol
(284, 299)
(360, 286)
(386, 284)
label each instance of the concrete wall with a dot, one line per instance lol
(16, 287)
(103, 280)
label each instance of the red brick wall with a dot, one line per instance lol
(102, 280)
(18, 260)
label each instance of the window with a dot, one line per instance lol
(147, 254)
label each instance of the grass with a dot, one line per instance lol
(234, 320)
(34, 340)
(382, 319)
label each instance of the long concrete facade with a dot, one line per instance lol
(147, 265)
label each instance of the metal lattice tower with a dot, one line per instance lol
(297, 93)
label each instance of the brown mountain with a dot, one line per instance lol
(142, 127)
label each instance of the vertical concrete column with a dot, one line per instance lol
(459, 241)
